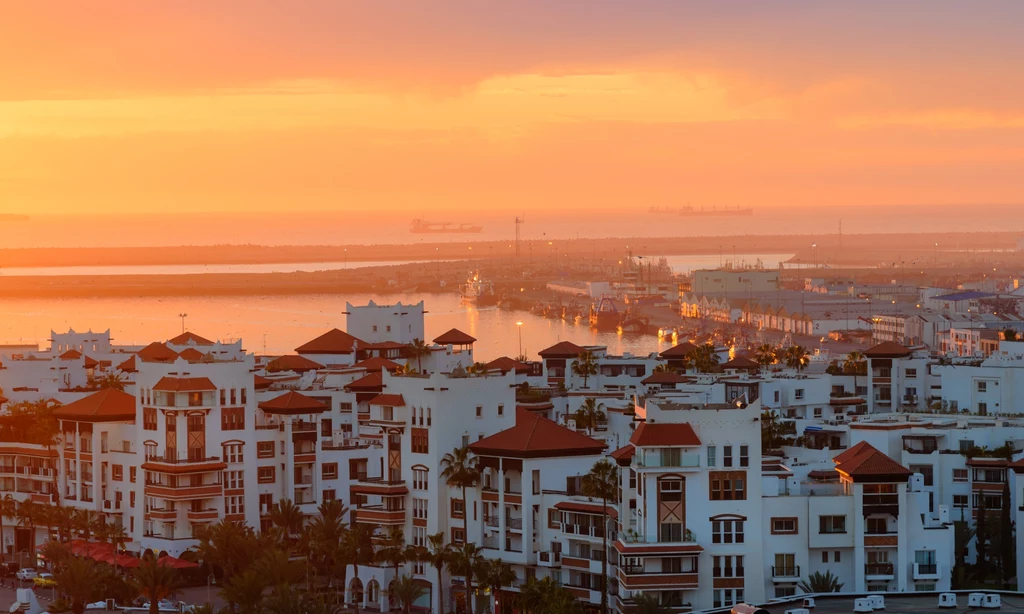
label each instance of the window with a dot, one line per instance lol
(876, 526)
(727, 531)
(501, 410)
(458, 535)
(419, 479)
(388, 328)
(726, 597)
(836, 557)
(817, 412)
(419, 536)
(727, 456)
(983, 408)
(711, 456)
(535, 481)
(728, 567)
(910, 373)
(776, 396)
(116, 473)
(329, 471)
(149, 418)
(233, 453)
(982, 386)
(265, 475)
(782, 591)
(925, 471)
(824, 556)
(374, 328)
(960, 501)
(458, 508)
(419, 508)
(232, 419)
(966, 444)
(234, 505)
(728, 486)
(798, 394)
(831, 524)
(330, 495)
(744, 456)
(959, 475)
(783, 526)
(131, 475)
(233, 480)
(420, 441)
(265, 449)
(479, 411)
(345, 407)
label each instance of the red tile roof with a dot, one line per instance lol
(157, 352)
(887, 349)
(565, 349)
(534, 436)
(189, 337)
(107, 405)
(679, 351)
(292, 362)
(664, 434)
(261, 383)
(376, 364)
(740, 362)
(292, 403)
(585, 508)
(865, 463)
(192, 355)
(664, 377)
(70, 355)
(91, 363)
(392, 400)
(506, 364)
(374, 382)
(454, 337)
(333, 341)
(624, 454)
(128, 366)
(3, 400)
(184, 384)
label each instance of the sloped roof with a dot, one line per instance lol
(70, 355)
(679, 351)
(333, 341)
(664, 377)
(887, 349)
(292, 362)
(192, 355)
(107, 405)
(534, 436)
(866, 463)
(740, 362)
(376, 364)
(623, 455)
(963, 296)
(292, 403)
(392, 400)
(157, 352)
(261, 383)
(128, 366)
(189, 337)
(586, 508)
(184, 384)
(664, 434)
(374, 382)
(564, 349)
(454, 337)
(90, 363)
(506, 364)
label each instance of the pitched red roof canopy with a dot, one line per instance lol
(888, 349)
(128, 366)
(534, 436)
(565, 349)
(157, 352)
(392, 400)
(866, 463)
(454, 337)
(184, 384)
(107, 405)
(333, 341)
(506, 364)
(374, 382)
(376, 364)
(292, 362)
(679, 351)
(664, 435)
(292, 403)
(189, 337)
(70, 355)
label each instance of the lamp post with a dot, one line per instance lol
(209, 579)
(519, 325)
(183, 316)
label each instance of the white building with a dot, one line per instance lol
(375, 323)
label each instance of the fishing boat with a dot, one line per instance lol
(605, 316)
(422, 226)
(478, 292)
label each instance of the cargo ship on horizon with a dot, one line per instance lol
(421, 226)
(693, 211)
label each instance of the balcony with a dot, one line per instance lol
(926, 571)
(376, 514)
(879, 571)
(635, 578)
(576, 563)
(184, 463)
(784, 573)
(632, 544)
(516, 524)
(668, 461)
(208, 515)
(492, 521)
(379, 486)
(585, 530)
(163, 514)
(549, 559)
(185, 492)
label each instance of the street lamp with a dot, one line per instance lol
(519, 325)
(183, 316)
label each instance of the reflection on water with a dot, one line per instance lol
(194, 269)
(283, 323)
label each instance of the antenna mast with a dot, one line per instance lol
(520, 220)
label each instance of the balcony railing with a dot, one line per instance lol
(926, 569)
(878, 569)
(514, 523)
(549, 558)
(180, 459)
(685, 461)
(491, 521)
(792, 571)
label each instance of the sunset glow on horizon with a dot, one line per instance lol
(123, 107)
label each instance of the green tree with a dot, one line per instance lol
(228, 546)
(406, 590)
(589, 416)
(963, 533)
(155, 582)
(466, 559)
(981, 534)
(288, 517)
(495, 574)
(585, 366)
(394, 550)
(819, 582)
(602, 482)
(664, 368)
(647, 603)
(27, 513)
(856, 365)
(110, 380)
(8, 509)
(705, 358)
(243, 591)
(418, 349)
(81, 581)
(276, 568)
(1009, 335)
(438, 555)
(459, 469)
(766, 355)
(771, 430)
(797, 357)
(359, 546)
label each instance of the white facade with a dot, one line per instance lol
(377, 323)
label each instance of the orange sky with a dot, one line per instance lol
(117, 106)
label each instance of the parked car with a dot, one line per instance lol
(45, 580)
(26, 574)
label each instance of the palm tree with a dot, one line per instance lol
(589, 415)
(155, 582)
(83, 522)
(585, 366)
(546, 597)
(357, 544)
(63, 517)
(276, 568)
(393, 550)
(82, 581)
(405, 370)
(7, 510)
(286, 515)
(460, 470)
(771, 430)
(477, 368)
(495, 575)
(797, 357)
(664, 368)
(406, 590)
(438, 554)
(603, 483)
(117, 537)
(855, 364)
(244, 590)
(466, 559)
(766, 355)
(819, 582)
(418, 349)
(705, 357)
(229, 546)
(56, 554)
(646, 603)
(110, 380)
(27, 513)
